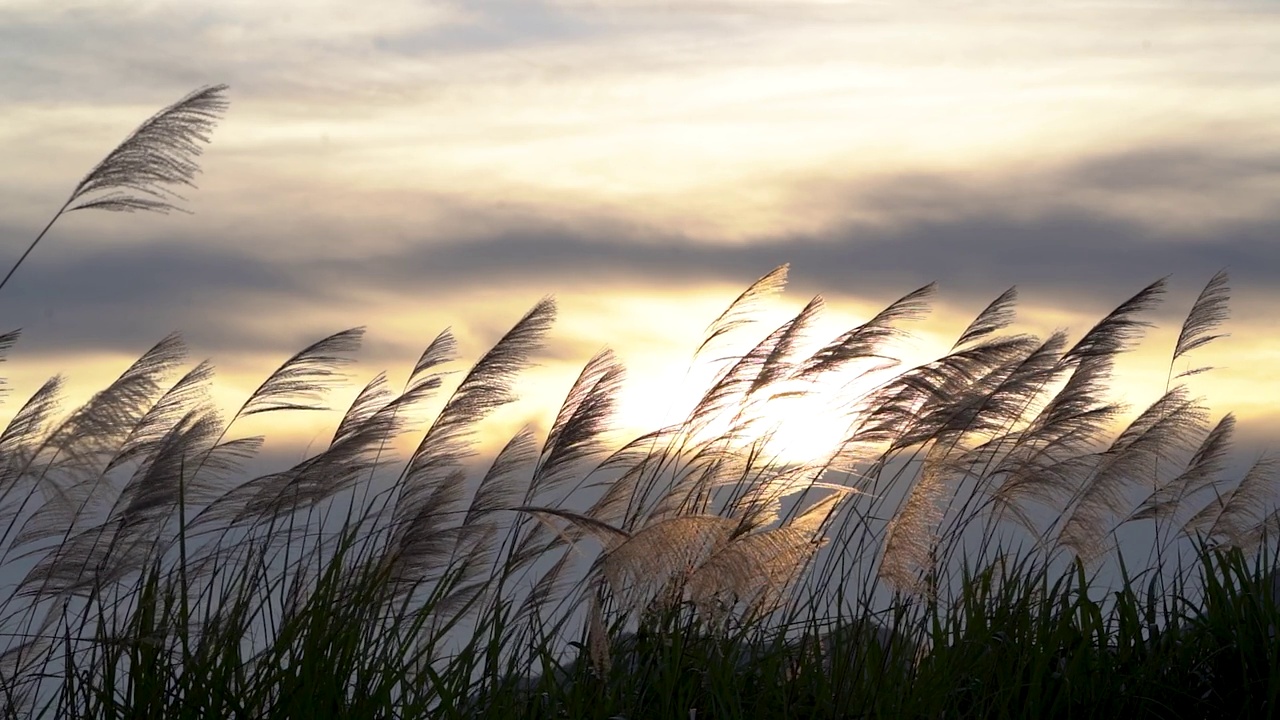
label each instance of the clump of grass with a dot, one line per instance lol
(946, 559)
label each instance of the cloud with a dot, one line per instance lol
(249, 303)
(1036, 230)
(443, 164)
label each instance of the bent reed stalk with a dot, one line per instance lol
(937, 561)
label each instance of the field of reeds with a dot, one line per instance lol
(957, 554)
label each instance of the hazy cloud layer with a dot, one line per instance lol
(973, 240)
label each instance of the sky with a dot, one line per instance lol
(427, 165)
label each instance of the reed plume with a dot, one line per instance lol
(141, 171)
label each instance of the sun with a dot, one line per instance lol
(806, 427)
(790, 422)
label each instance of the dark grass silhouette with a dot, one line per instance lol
(936, 562)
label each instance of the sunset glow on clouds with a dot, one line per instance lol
(410, 166)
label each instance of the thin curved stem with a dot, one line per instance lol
(33, 244)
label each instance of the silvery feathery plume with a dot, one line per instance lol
(140, 172)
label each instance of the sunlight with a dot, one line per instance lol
(791, 422)
(805, 423)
